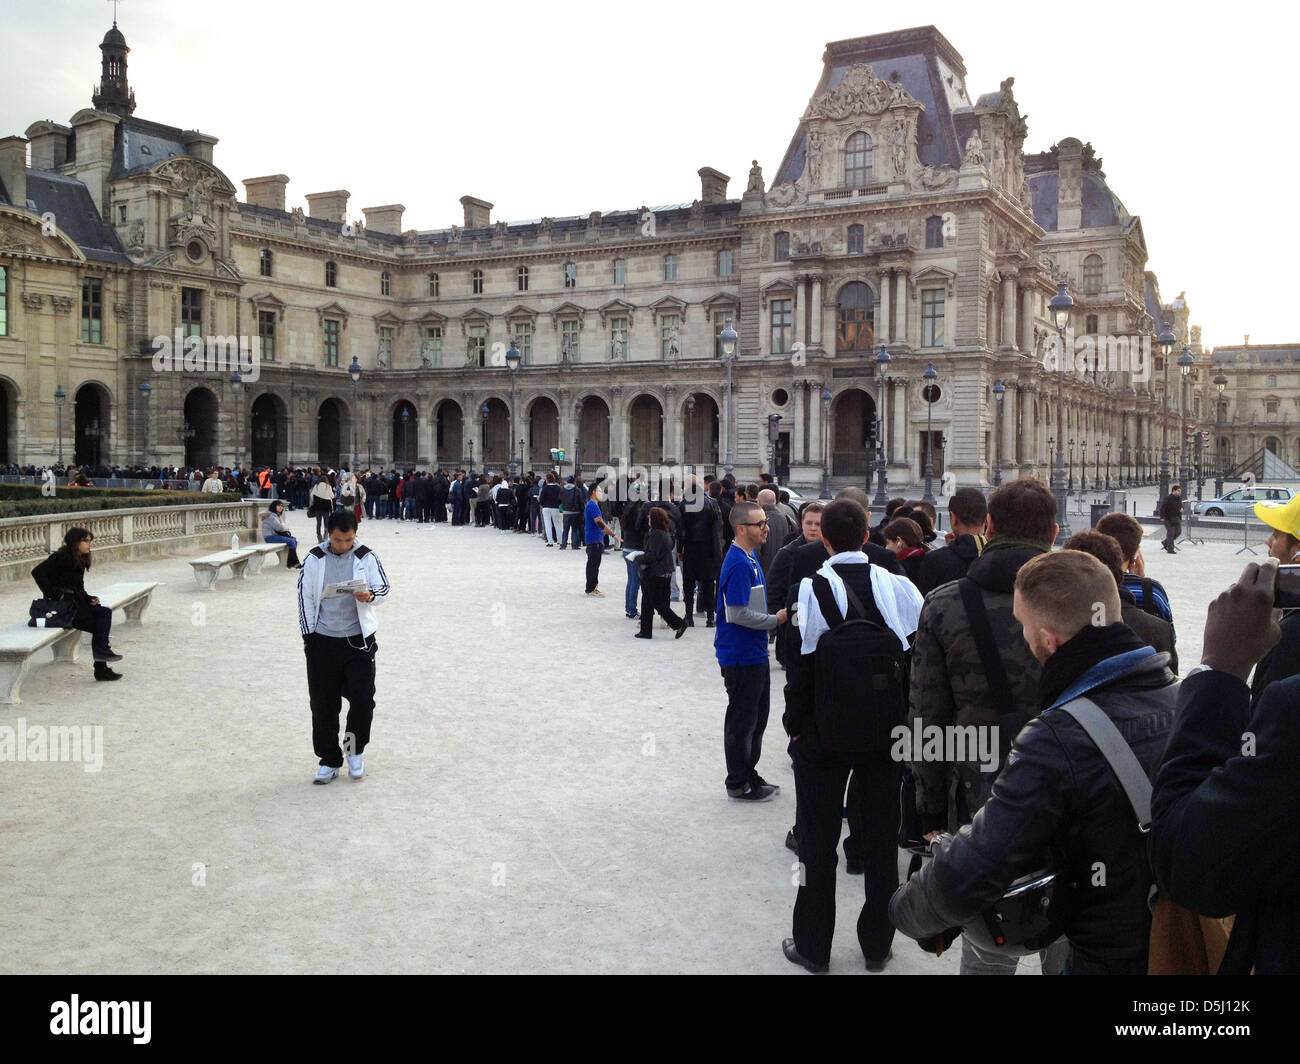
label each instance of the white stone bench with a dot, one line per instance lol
(20, 644)
(208, 568)
(262, 552)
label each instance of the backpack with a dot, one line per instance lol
(860, 678)
(1148, 603)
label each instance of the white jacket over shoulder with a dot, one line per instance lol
(311, 581)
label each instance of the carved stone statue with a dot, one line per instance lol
(299, 218)
(974, 151)
(898, 146)
(135, 238)
(544, 227)
(454, 235)
(937, 177)
(815, 143)
(755, 178)
(501, 228)
(674, 343)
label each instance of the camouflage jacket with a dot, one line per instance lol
(948, 685)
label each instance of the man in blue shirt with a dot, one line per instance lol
(741, 646)
(597, 530)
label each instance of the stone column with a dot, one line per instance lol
(882, 309)
(816, 420)
(797, 307)
(1027, 318)
(1008, 333)
(799, 404)
(900, 307)
(898, 454)
(1009, 448)
(815, 336)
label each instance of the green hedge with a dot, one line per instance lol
(33, 491)
(72, 500)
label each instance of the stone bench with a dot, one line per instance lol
(20, 644)
(208, 568)
(262, 552)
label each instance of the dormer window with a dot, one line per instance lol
(1092, 273)
(857, 160)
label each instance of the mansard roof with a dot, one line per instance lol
(1101, 207)
(74, 212)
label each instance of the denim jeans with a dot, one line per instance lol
(633, 585)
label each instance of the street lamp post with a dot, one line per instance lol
(577, 439)
(1060, 306)
(826, 441)
(1185, 363)
(1070, 489)
(354, 371)
(1096, 469)
(728, 342)
(999, 390)
(882, 373)
(773, 436)
(60, 398)
(406, 418)
(1220, 383)
(1108, 443)
(513, 358)
(237, 389)
(145, 389)
(690, 410)
(929, 394)
(483, 413)
(1165, 341)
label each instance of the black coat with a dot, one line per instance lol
(946, 563)
(1172, 508)
(1225, 831)
(658, 558)
(59, 577)
(1283, 660)
(1058, 790)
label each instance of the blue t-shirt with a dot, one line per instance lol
(594, 534)
(1133, 584)
(733, 643)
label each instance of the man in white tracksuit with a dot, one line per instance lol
(338, 635)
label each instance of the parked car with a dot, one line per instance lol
(1241, 501)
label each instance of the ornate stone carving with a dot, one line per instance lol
(787, 195)
(33, 300)
(135, 235)
(544, 226)
(861, 92)
(898, 145)
(13, 239)
(935, 178)
(122, 310)
(974, 155)
(816, 142)
(299, 218)
(755, 178)
(61, 304)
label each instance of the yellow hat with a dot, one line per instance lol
(1284, 516)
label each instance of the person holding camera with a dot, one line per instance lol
(1284, 545)
(1058, 794)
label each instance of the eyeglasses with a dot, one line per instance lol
(753, 524)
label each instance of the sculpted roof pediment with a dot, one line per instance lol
(860, 92)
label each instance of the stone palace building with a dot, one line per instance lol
(904, 214)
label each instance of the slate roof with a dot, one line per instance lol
(1101, 207)
(140, 145)
(74, 212)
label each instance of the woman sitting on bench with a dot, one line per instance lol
(274, 530)
(62, 576)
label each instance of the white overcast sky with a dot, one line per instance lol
(564, 108)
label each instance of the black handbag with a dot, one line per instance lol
(51, 613)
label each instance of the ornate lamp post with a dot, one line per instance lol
(513, 358)
(145, 390)
(60, 398)
(1060, 306)
(237, 388)
(1220, 382)
(1070, 489)
(1185, 363)
(1096, 469)
(728, 340)
(406, 418)
(1165, 341)
(826, 442)
(577, 439)
(773, 435)
(354, 371)
(930, 394)
(999, 390)
(882, 373)
(1108, 443)
(690, 410)
(483, 413)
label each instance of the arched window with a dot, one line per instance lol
(331, 275)
(856, 240)
(521, 278)
(934, 231)
(1092, 273)
(264, 262)
(433, 285)
(781, 247)
(857, 160)
(855, 318)
(385, 284)
(476, 282)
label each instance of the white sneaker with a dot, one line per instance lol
(356, 766)
(325, 774)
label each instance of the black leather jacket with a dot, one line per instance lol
(1058, 791)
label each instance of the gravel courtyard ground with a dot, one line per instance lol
(543, 793)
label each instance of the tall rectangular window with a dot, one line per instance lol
(570, 275)
(781, 247)
(620, 271)
(670, 336)
(4, 301)
(476, 282)
(478, 345)
(782, 325)
(432, 286)
(266, 334)
(331, 342)
(524, 341)
(721, 319)
(569, 339)
(618, 338)
(932, 309)
(92, 310)
(670, 267)
(191, 312)
(431, 355)
(724, 262)
(856, 239)
(264, 263)
(386, 345)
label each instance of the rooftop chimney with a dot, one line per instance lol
(328, 206)
(198, 145)
(13, 169)
(386, 219)
(478, 213)
(266, 191)
(49, 144)
(1247, 342)
(1069, 185)
(713, 185)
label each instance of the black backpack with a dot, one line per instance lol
(860, 677)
